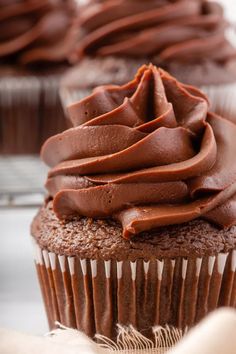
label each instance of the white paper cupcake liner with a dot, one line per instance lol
(95, 295)
(30, 111)
(222, 99)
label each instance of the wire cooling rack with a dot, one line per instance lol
(21, 181)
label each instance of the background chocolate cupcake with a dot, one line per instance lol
(140, 224)
(185, 37)
(36, 39)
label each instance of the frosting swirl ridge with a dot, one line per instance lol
(37, 30)
(180, 30)
(147, 153)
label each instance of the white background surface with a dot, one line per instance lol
(230, 8)
(20, 299)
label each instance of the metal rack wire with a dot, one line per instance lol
(21, 181)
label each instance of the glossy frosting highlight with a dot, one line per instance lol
(179, 30)
(147, 153)
(37, 30)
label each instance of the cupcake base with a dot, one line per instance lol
(93, 279)
(96, 295)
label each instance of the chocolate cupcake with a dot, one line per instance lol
(140, 224)
(185, 37)
(36, 40)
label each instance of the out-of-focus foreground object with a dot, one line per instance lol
(214, 335)
(18, 343)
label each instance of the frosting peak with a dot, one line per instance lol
(147, 153)
(37, 30)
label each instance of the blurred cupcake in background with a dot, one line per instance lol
(36, 39)
(185, 37)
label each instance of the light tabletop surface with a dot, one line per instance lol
(21, 305)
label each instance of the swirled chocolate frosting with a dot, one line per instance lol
(37, 30)
(171, 30)
(148, 154)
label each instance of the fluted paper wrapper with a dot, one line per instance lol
(95, 295)
(222, 99)
(30, 112)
